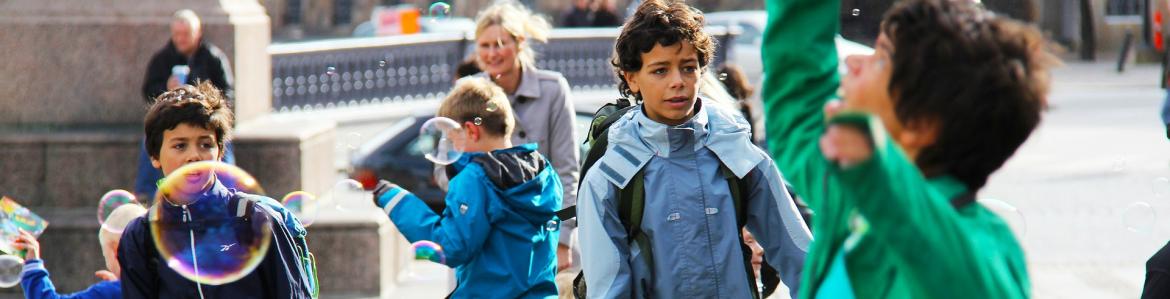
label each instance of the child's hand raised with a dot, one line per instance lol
(27, 242)
(383, 187)
(844, 143)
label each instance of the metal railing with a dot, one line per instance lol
(358, 71)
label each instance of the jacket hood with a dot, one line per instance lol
(523, 179)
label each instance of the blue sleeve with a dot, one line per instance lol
(465, 223)
(134, 252)
(605, 253)
(777, 225)
(34, 279)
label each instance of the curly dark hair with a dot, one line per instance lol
(981, 79)
(201, 106)
(658, 23)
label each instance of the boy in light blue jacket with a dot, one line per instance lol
(683, 151)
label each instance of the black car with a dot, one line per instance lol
(399, 157)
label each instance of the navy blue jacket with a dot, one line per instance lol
(146, 275)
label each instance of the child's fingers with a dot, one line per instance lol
(832, 108)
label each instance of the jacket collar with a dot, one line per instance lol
(529, 84)
(635, 139)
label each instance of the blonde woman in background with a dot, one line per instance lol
(540, 98)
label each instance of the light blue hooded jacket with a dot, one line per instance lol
(496, 230)
(689, 213)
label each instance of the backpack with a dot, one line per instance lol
(631, 199)
(243, 202)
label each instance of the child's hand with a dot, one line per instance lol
(25, 241)
(383, 187)
(846, 145)
(105, 275)
(564, 258)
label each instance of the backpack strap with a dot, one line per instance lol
(631, 207)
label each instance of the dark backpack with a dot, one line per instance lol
(631, 199)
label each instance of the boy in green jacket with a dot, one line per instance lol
(891, 171)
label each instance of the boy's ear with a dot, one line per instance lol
(156, 163)
(473, 131)
(630, 81)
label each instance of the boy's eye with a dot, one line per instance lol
(690, 69)
(180, 146)
(207, 146)
(658, 71)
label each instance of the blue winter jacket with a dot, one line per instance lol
(34, 279)
(689, 215)
(146, 275)
(499, 230)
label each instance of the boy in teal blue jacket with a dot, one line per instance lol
(499, 230)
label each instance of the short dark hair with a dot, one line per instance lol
(980, 78)
(201, 106)
(659, 23)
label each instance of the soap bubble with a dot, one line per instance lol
(112, 200)
(439, 10)
(10, 268)
(303, 205)
(427, 250)
(442, 137)
(201, 228)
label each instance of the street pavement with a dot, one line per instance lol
(1090, 187)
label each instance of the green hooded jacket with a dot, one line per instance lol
(882, 229)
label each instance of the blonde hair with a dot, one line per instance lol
(187, 16)
(475, 97)
(519, 22)
(121, 216)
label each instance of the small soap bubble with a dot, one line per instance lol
(439, 10)
(351, 196)
(112, 200)
(331, 71)
(439, 136)
(303, 205)
(1160, 187)
(428, 251)
(478, 121)
(722, 76)
(1139, 217)
(551, 225)
(856, 12)
(381, 63)
(10, 267)
(491, 107)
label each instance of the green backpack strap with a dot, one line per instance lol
(739, 193)
(631, 206)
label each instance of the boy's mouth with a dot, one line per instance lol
(677, 102)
